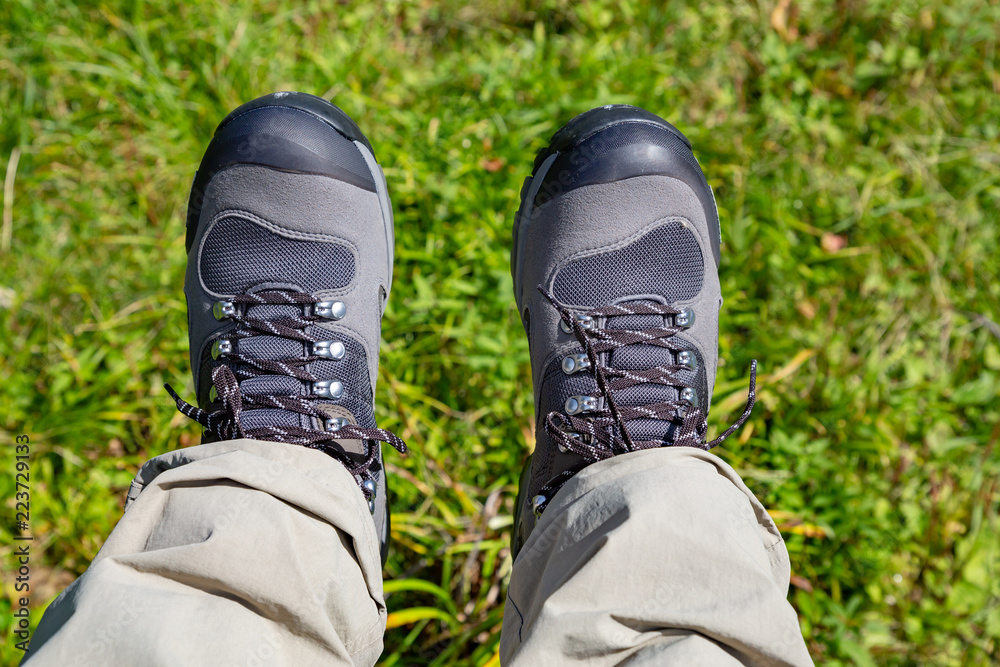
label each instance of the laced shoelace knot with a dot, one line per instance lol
(226, 424)
(582, 427)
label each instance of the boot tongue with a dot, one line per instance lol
(642, 356)
(275, 348)
(272, 348)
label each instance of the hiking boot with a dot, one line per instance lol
(615, 267)
(290, 249)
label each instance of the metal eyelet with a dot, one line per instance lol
(330, 310)
(223, 310)
(577, 404)
(572, 434)
(586, 321)
(685, 318)
(369, 486)
(690, 395)
(536, 505)
(331, 349)
(222, 348)
(328, 388)
(575, 363)
(335, 424)
(687, 358)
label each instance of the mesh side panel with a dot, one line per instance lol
(239, 254)
(254, 127)
(666, 261)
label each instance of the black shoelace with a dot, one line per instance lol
(225, 423)
(597, 435)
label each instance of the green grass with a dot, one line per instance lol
(854, 148)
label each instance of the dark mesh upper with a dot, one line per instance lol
(239, 254)
(255, 127)
(666, 261)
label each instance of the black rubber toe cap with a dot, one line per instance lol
(616, 142)
(317, 106)
(291, 132)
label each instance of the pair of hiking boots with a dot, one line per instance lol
(290, 257)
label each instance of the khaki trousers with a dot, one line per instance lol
(257, 553)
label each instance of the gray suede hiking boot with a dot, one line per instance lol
(290, 249)
(615, 267)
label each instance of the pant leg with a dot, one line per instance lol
(657, 557)
(233, 553)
